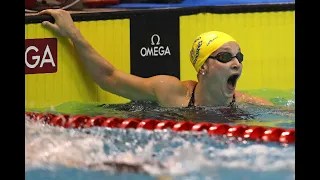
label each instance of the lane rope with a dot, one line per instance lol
(252, 133)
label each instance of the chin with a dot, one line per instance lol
(228, 93)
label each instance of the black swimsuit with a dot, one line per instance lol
(191, 102)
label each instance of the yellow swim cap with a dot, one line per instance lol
(205, 44)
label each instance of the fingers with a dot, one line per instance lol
(50, 12)
(46, 11)
(49, 25)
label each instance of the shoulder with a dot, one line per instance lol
(166, 83)
(165, 79)
(190, 83)
(169, 90)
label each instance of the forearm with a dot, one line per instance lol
(244, 97)
(97, 66)
(106, 75)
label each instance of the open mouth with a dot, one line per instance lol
(232, 81)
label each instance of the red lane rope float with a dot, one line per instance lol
(253, 133)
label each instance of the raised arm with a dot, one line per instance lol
(107, 76)
(101, 71)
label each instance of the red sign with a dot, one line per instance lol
(41, 56)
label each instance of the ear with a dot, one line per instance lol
(203, 69)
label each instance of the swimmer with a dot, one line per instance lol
(123, 167)
(215, 55)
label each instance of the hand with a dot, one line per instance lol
(63, 25)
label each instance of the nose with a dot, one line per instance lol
(235, 65)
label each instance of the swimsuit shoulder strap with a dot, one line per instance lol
(191, 102)
(233, 102)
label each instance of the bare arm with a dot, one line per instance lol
(101, 71)
(108, 77)
(244, 97)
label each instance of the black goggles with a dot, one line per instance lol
(225, 57)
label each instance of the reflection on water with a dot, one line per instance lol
(144, 110)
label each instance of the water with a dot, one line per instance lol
(58, 153)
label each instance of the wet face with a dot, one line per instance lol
(222, 77)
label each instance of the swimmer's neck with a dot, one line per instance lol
(206, 97)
